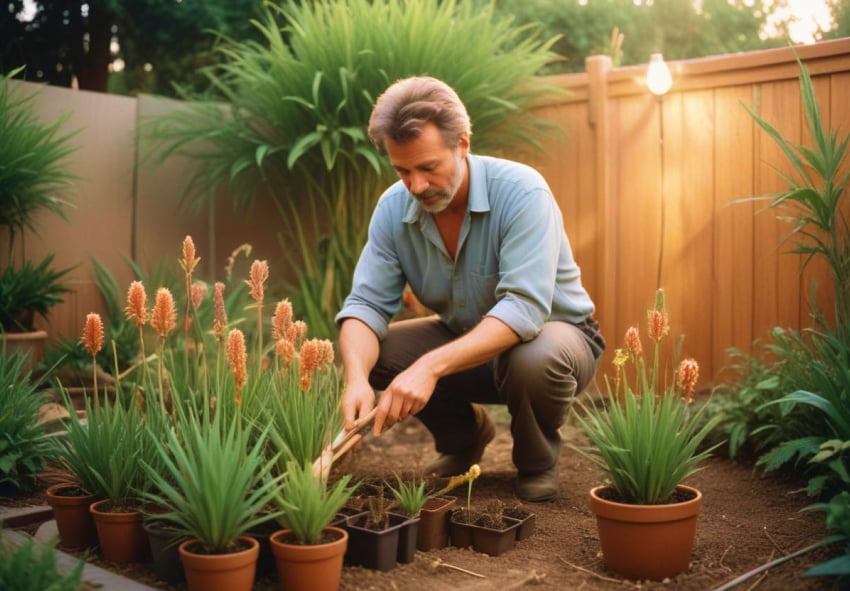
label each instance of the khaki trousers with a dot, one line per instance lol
(537, 381)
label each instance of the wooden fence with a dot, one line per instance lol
(627, 196)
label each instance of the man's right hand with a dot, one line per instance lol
(357, 400)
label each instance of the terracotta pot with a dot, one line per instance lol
(434, 523)
(220, 572)
(309, 567)
(646, 541)
(73, 518)
(33, 342)
(122, 535)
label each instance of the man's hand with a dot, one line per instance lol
(406, 395)
(357, 400)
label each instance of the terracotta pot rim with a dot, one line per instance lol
(594, 493)
(254, 547)
(51, 491)
(274, 537)
(125, 515)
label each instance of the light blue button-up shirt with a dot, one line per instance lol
(513, 261)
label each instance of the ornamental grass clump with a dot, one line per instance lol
(645, 435)
(410, 496)
(307, 504)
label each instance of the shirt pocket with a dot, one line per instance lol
(482, 291)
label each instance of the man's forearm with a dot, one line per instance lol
(359, 348)
(490, 338)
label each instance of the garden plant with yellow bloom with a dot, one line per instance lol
(645, 435)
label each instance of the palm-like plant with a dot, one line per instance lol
(300, 103)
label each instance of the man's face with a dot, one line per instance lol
(431, 171)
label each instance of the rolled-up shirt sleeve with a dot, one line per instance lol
(378, 280)
(528, 264)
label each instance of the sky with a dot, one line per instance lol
(809, 14)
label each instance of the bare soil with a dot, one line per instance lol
(747, 519)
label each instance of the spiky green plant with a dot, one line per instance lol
(298, 107)
(32, 567)
(33, 176)
(24, 445)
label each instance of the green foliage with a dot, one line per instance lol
(24, 446)
(32, 567)
(645, 436)
(27, 291)
(409, 495)
(303, 423)
(837, 509)
(674, 27)
(215, 483)
(308, 504)
(299, 103)
(107, 451)
(32, 174)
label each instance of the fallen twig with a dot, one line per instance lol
(532, 577)
(722, 556)
(772, 541)
(778, 561)
(439, 562)
(597, 575)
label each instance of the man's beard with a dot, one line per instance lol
(444, 196)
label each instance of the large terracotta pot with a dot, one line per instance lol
(122, 535)
(646, 541)
(33, 342)
(220, 572)
(74, 521)
(309, 567)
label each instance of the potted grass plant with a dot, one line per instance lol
(645, 436)
(33, 180)
(308, 551)
(214, 487)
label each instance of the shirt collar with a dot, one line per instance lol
(478, 199)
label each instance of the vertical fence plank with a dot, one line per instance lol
(732, 284)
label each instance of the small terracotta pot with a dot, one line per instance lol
(220, 572)
(309, 567)
(122, 535)
(646, 541)
(433, 531)
(74, 521)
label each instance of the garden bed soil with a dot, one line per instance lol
(747, 519)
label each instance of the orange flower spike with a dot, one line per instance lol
(164, 316)
(659, 324)
(285, 352)
(93, 333)
(282, 319)
(686, 378)
(259, 275)
(326, 353)
(296, 333)
(309, 360)
(237, 358)
(632, 340)
(199, 292)
(136, 309)
(220, 315)
(189, 262)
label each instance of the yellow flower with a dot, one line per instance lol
(620, 357)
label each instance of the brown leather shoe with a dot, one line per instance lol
(454, 464)
(538, 487)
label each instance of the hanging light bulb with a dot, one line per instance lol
(658, 78)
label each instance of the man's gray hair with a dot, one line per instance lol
(406, 106)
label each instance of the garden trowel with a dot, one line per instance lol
(341, 444)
